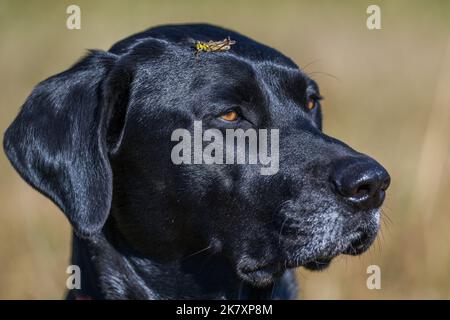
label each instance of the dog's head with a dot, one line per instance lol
(98, 139)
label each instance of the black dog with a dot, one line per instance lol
(96, 139)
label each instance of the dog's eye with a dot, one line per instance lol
(313, 101)
(311, 104)
(230, 116)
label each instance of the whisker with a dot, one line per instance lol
(323, 73)
(311, 63)
(197, 252)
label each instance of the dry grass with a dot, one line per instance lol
(387, 94)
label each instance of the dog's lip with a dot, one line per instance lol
(260, 275)
(318, 263)
(279, 267)
(263, 275)
(358, 243)
(272, 268)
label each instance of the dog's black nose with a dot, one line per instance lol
(362, 181)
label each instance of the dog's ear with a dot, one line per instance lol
(58, 142)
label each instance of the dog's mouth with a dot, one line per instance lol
(264, 274)
(316, 253)
(358, 244)
(261, 276)
(319, 263)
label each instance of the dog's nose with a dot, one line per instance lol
(362, 181)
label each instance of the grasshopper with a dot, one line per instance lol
(213, 46)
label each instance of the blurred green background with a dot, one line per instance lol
(387, 94)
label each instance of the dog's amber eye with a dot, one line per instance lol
(311, 104)
(230, 116)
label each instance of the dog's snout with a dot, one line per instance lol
(361, 181)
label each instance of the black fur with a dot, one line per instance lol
(96, 140)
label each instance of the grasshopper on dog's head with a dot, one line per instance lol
(213, 46)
